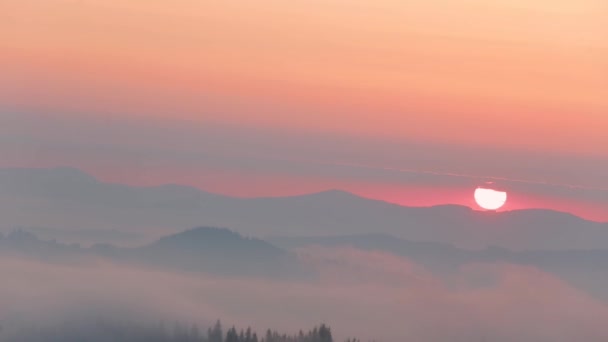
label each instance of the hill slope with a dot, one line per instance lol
(70, 199)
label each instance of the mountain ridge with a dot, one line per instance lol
(78, 174)
(225, 252)
(200, 249)
(97, 205)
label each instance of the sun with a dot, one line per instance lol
(490, 199)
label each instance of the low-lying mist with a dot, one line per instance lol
(370, 295)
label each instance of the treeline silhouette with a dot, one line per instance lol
(105, 331)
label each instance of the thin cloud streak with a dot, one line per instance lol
(425, 172)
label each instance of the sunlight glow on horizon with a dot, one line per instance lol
(447, 87)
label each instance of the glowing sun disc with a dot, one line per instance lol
(490, 199)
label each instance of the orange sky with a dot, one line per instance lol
(478, 71)
(504, 74)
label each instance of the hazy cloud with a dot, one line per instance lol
(367, 294)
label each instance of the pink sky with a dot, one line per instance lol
(276, 98)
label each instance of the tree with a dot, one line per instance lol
(232, 335)
(269, 337)
(216, 334)
(325, 334)
(248, 335)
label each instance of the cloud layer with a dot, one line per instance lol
(365, 294)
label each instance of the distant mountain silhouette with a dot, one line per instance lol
(25, 244)
(216, 250)
(203, 249)
(224, 252)
(69, 199)
(439, 254)
(435, 255)
(586, 269)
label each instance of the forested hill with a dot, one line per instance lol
(203, 249)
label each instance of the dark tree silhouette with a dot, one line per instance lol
(108, 330)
